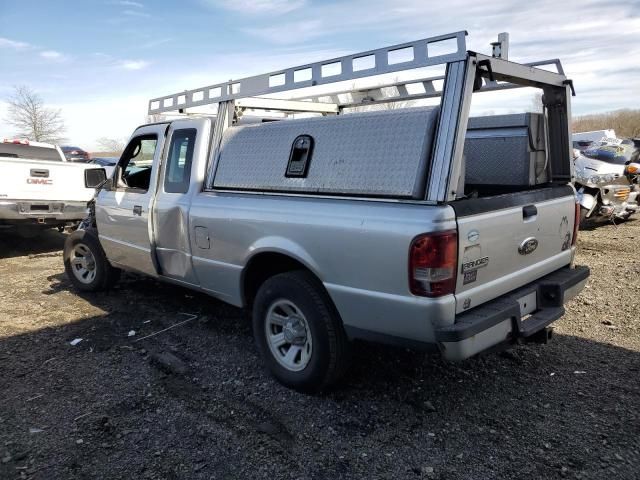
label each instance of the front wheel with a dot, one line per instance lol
(583, 216)
(299, 332)
(86, 264)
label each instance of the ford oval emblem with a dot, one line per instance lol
(473, 236)
(527, 246)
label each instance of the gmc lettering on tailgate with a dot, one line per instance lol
(39, 181)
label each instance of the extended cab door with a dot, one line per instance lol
(181, 177)
(122, 211)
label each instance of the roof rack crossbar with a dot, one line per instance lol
(426, 88)
(396, 58)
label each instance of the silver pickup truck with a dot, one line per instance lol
(417, 226)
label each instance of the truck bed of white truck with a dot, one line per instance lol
(42, 191)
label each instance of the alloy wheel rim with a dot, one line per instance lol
(83, 264)
(288, 335)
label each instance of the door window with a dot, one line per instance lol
(178, 172)
(136, 162)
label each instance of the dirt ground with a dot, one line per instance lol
(193, 402)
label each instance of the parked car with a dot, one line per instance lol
(75, 154)
(605, 190)
(384, 225)
(595, 135)
(108, 163)
(582, 145)
(39, 187)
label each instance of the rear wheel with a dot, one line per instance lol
(86, 264)
(299, 332)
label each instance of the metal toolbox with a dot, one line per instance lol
(506, 150)
(378, 154)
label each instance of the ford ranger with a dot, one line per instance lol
(419, 226)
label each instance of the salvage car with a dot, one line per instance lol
(75, 154)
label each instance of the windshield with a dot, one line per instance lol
(615, 154)
(29, 152)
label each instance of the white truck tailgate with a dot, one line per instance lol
(23, 179)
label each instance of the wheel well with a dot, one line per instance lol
(262, 267)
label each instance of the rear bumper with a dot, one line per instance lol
(41, 211)
(502, 320)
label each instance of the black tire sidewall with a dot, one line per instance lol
(583, 216)
(317, 311)
(89, 239)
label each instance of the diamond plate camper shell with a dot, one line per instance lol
(378, 154)
(506, 150)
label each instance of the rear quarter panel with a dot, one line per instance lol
(358, 249)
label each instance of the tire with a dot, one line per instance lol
(292, 313)
(86, 264)
(583, 216)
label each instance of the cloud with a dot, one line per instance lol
(128, 3)
(133, 64)
(289, 33)
(136, 13)
(51, 55)
(598, 57)
(7, 43)
(155, 43)
(592, 52)
(254, 7)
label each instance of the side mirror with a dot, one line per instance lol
(95, 177)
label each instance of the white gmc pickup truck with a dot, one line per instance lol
(419, 227)
(39, 188)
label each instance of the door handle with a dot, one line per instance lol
(37, 172)
(529, 211)
(137, 210)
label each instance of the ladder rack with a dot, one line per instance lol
(466, 72)
(426, 88)
(396, 58)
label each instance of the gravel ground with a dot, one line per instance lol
(193, 402)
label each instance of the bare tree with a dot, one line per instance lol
(32, 119)
(625, 122)
(113, 145)
(387, 93)
(536, 103)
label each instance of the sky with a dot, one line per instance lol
(100, 61)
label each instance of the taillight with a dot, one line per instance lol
(433, 264)
(576, 225)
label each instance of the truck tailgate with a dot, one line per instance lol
(22, 179)
(510, 240)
